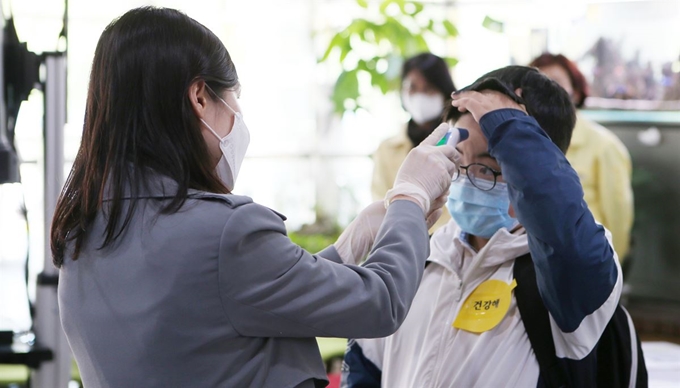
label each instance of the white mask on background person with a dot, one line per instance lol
(233, 147)
(423, 107)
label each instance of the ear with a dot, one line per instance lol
(511, 211)
(518, 92)
(198, 97)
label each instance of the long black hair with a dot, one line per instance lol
(139, 119)
(436, 72)
(434, 69)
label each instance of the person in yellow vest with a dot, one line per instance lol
(601, 160)
(426, 87)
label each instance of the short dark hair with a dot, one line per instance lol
(578, 81)
(544, 99)
(434, 69)
(138, 114)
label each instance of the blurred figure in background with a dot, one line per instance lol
(598, 156)
(425, 89)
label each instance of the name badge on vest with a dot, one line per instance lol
(485, 307)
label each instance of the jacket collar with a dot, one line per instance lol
(154, 185)
(449, 243)
(160, 186)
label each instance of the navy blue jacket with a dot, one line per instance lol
(577, 273)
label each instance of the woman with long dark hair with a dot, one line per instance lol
(168, 279)
(426, 85)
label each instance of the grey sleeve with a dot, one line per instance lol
(330, 253)
(270, 287)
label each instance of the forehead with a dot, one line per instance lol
(558, 74)
(476, 142)
(415, 78)
(414, 75)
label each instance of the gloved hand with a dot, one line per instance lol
(357, 239)
(436, 210)
(426, 172)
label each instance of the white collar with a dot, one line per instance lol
(449, 244)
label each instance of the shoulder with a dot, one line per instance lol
(601, 137)
(234, 209)
(393, 143)
(229, 200)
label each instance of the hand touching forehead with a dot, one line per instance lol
(481, 103)
(474, 149)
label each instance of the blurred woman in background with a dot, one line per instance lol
(601, 160)
(426, 85)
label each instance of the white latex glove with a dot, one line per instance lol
(436, 210)
(426, 172)
(357, 239)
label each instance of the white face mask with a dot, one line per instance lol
(423, 107)
(233, 147)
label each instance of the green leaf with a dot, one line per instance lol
(345, 48)
(492, 24)
(335, 42)
(387, 36)
(450, 28)
(346, 87)
(451, 61)
(367, 35)
(430, 25)
(372, 63)
(402, 6)
(386, 3)
(401, 38)
(421, 44)
(357, 26)
(418, 7)
(380, 81)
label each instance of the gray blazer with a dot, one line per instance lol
(216, 295)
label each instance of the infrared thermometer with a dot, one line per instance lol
(454, 136)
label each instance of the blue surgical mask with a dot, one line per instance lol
(477, 212)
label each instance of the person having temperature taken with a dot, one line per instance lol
(513, 194)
